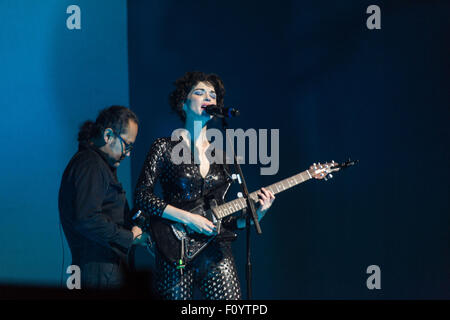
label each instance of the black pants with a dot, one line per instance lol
(102, 275)
(213, 272)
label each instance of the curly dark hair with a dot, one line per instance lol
(114, 117)
(185, 84)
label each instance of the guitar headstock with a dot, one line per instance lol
(323, 171)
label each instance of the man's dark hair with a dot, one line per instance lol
(114, 117)
(185, 84)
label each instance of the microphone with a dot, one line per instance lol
(220, 112)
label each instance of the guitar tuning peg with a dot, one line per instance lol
(331, 176)
(325, 178)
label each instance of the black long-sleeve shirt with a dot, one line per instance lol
(93, 208)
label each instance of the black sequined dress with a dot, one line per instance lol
(213, 271)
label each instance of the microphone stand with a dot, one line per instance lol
(249, 217)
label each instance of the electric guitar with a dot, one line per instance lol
(180, 244)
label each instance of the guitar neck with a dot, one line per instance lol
(231, 207)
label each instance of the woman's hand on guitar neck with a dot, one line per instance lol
(266, 199)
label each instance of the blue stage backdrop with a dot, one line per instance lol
(334, 89)
(311, 69)
(52, 79)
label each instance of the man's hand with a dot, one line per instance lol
(139, 237)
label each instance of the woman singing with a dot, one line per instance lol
(213, 271)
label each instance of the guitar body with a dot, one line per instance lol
(175, 241)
